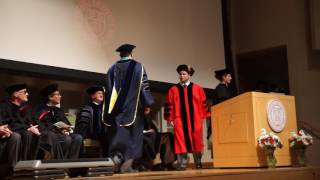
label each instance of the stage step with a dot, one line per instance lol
(38, 169)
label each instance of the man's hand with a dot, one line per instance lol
(147, 110)
(34, 129)
(5, 131)
(149, 131)
(66, 132)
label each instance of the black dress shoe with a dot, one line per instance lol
(117, 163)
(159, 167)
(128, 170)
(180, 168)
(199, 166)
(170, 167)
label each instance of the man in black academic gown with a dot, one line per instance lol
(155, 142)
(128, 97)
(49, 113)
(17, 116)
(223, 90)
(89, 119)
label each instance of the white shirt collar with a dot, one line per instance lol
(187, 83)
(95, 103)
(50, 105)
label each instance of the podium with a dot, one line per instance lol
(237, 123)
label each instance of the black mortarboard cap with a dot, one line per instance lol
(184, 67)
(221, 72)
(125, 48)
(45, 92)
(93, 89)
(16, 87)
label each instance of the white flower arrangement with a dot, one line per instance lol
(270, 140)
(300, 139)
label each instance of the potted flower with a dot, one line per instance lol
(269, 143)
(299, 143)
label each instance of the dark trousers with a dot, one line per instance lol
(183, 159)
(50, 144)
(10, 149)
(70, 144)
(166, 148)
(29, 145)
(155, 143)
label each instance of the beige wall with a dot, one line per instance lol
(260, 24)
(49, 32)
(83, 34)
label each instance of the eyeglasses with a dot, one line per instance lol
(23, 91)
(55, 94)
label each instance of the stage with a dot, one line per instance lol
(289, 173)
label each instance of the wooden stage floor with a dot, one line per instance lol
(287, 173)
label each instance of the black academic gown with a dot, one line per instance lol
(89, 124)
(49, 139)
(150, 140)
(19, 119)
(70, 144)
(125, 121)
(222, 93)
(154, 143)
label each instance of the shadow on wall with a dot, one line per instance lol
(265, 70)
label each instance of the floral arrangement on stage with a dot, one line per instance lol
(299, 142)
(300, 139)
(269, 143)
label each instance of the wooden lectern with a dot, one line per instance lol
(237, 123)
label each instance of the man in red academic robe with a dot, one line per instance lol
(186, 107)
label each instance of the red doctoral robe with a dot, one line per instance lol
(186, 107)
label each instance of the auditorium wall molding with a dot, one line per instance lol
(65, 74)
